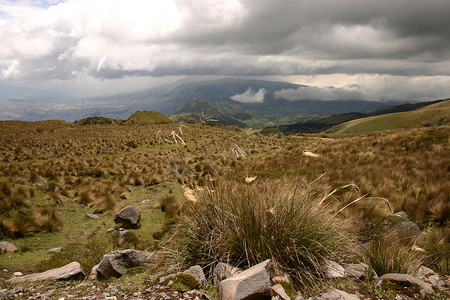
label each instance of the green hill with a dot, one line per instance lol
(432, 115)
(147, 117)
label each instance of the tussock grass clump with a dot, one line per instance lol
(17, 226)
(48, 218)
(387, 254)
(246, 223)
(170, 206)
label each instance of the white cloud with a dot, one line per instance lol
(11, 69)
(374, 87)
(249, 96)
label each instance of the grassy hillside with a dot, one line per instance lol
(431, 115)
(51, 177)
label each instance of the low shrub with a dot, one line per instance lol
(245, 224)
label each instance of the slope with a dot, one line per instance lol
(201, 111)
(432, 115)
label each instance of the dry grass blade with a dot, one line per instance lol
(335, 190)
(353, 202)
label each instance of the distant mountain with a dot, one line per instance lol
(319, 124)
(435, 114)
(251, 102)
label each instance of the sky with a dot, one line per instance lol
(373, 50)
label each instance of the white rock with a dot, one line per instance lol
(72, 271)
(252, 283)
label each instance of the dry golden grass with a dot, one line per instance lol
(44, 165)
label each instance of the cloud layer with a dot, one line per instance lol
(108, 39)
(249, 96)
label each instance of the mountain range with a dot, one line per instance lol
(235, 101)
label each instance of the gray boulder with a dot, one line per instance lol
(333, 270)
(6, 247)
(197, 273)
(338, 295)
(116, 263)
(253, 283)
(355, 271)
(69, 271)
(128, 217)
(400, 279)
(403, 225)
(223, 271)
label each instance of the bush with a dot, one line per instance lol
(387, 255)
(245, 224)
(170, 206)
(17, 226)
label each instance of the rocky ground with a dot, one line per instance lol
(93, 290)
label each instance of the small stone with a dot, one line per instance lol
(6, 247)
(110, 230)
(17, 274)
(91, 216)
(55, 250)
(281, 293)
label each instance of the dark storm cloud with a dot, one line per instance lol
(347, 29)
(106, 39)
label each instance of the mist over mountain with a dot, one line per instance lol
(258, 101)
